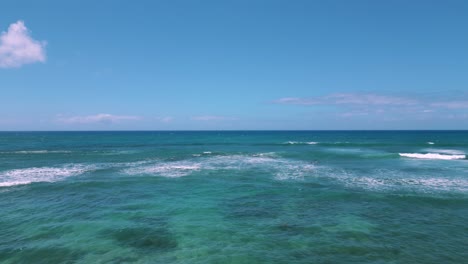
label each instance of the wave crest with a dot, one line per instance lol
(300, 143)
(279, 167)
(432, 156)
(40, 174)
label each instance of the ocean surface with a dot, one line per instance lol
(234, 197)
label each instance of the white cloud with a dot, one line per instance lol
(212, 118)
(360, 100)
(348, 99)
(353, 114)
(18, 48)
(297, 101)
(369, 99)
(99, 118)
(350, 105)
(165, 119)
(451, 104)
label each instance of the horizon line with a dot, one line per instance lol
(237, 130)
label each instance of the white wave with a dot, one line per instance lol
(204, 153)
(430, 143)
(36, 151)
(40, 174)
(445, 151)
(432, 156)
(266, 154)
(294, 171)
(278, 167)
(116, 152)
(300, 143)
(396, 180)
(166, 169)
(31, 152)
(13, 183)
(420, 184)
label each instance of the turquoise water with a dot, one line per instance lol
(234, 197)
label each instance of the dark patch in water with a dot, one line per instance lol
(312, 185)
(151, 221)
(131, 207)
(124, 260)
(353, 235)
(292, 229)
(254, 206)
(41, 255)
(145, 238)
(52, 232)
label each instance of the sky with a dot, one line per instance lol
(233, 65)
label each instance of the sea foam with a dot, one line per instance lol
(396, 180)
(445, 151)
(300, 143)
(36, 152)
(280, 168)
(167, 169)
(417, 184)
(432, 156)
(40, 174)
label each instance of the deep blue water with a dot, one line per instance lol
(234, 197)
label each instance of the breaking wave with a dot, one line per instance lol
(432, 156)
(395, 180)
(445, 151)
(300, 143)
(41, 174)
(265, 162)
(36, 151)
(166, 169)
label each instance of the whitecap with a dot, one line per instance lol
(432, 156)
(300, 143)
(395, 180)
(266, 154)
(31, 152)
(445, 151)
(415, 183)
(36, 151)
(430, 143)
(13, 183)
(167, 169)
(280, 168)
(40, 174)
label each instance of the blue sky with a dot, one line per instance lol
(105, 65)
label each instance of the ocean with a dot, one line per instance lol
(234, 197)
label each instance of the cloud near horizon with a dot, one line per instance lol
(366, 104)
(17, 48)
(97, 119)
(212, 118)
(451, 104)
(348, 99)
(358, 100)
(164, 119)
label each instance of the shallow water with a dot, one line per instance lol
(234, 197)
